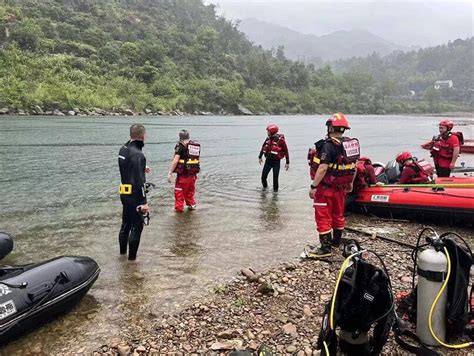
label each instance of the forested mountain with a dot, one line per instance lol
(418, 70)
(162, 55)
(316, 49)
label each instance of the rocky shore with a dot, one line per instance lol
(280, 307)
(54, 110)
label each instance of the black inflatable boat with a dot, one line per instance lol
(36, 293)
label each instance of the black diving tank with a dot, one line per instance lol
(431, 271)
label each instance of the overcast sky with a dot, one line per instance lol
(418, 23)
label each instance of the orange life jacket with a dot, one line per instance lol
(190, 163)
(273, 146)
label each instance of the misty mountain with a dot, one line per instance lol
(315, 49)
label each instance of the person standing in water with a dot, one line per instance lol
(186, 166)
(132, 165)
(275, 149)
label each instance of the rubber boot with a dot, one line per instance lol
(336, 237)
(123, 239)
(324, 250)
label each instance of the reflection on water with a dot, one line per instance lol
(59, 197)
(270, 211)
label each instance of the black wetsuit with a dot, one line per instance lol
(132, 163)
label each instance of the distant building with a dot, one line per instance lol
(439, 84)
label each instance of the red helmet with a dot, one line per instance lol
(338, 120)
(403, 156)
(272, 129)
(448, 124)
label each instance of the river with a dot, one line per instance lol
(59, 179)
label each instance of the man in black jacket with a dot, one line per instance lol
(132, 164)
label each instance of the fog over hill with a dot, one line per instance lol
(407, 23)
(315, 49)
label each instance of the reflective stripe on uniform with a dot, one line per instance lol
(320, 204)
(190, 161)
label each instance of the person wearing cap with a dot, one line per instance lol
(445, 149)
(275, 149)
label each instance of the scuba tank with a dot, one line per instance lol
(431, 271)
(442, 307)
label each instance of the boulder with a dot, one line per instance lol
(242, 110)
(57, 112)
(4, 111)
(38, 110)
(71, 113)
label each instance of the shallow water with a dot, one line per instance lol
(60, 179)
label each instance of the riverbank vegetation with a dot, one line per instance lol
(170, 55)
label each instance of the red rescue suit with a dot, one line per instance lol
(329, 199)
(442, 148)
(365, 175)
(186, 170)
(416, 173)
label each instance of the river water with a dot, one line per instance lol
(59, 179)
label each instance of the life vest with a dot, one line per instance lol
(313, 159)
(440, 147)
(190, 163)
(273, 146)
(341, 172)
(424, 171)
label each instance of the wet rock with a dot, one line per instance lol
(38, 110)
(70, 113)
(227, 334)
(291, 349)
(141, 348)
(128, 112)
(406, 279)
(253, 345)
(123, 350)
(227, 345)
(249, 274)
(290, 329)
(57, 112)
(265, 288)
(307, 311)
(4, 111)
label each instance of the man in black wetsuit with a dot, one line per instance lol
(132, 164)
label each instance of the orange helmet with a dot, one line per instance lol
(448, 124)
(338, 120)
(272, 129)
(403, 156)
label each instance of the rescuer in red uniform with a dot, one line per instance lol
(412, 171)
(334, 177)
(186, 166)
(445, 149)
